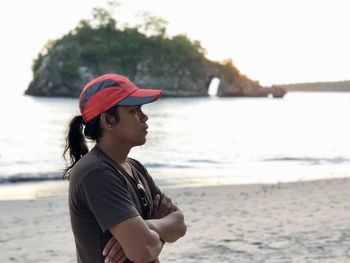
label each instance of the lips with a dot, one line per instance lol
(145, 128)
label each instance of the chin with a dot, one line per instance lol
(141, 142)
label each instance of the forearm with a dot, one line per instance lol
(139, 242)
(156, 247)
(169, 228)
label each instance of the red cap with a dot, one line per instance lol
(104, 92)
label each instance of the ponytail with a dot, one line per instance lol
(75, 144)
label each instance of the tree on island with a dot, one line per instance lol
(144, 53)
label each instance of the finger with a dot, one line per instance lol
(117, 257)
(156, 206)
(161, 197)
(169, 206)
(122, 259)
(160, 201)
(112, 256)
(108, 246)
(156, 201)
(175, 208)
(169, 199)
(162, 207)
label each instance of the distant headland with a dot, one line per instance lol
(145, 54)
(338, 86)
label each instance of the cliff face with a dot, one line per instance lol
(174, 66)
(50, 81)
(232, 83)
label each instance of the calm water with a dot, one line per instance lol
(196, 140)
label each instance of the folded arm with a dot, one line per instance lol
(169, 228)
(142, 240)
(138, 242)
(169, 221)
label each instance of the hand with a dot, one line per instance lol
(114, 252)
(162, 206)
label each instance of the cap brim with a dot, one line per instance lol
(141, 96)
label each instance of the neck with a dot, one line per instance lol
(115, 150)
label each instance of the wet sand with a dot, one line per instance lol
(290, 222)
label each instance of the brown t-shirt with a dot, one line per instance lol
(101, 196)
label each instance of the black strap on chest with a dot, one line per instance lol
(138, 185)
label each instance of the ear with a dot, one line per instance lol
(107, 121)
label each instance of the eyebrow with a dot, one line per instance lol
(134, 106)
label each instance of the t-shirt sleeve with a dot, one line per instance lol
(107, 197)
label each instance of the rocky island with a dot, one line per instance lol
(177, 65)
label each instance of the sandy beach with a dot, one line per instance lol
(290, 222)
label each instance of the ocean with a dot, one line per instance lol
(195, 141)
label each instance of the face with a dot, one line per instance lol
(131, 128)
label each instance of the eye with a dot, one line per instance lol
(135, 109)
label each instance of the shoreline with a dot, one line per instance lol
(59, 188)
(305, 221)
(33, 190)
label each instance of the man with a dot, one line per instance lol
(116, 209)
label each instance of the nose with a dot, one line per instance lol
(144, 117)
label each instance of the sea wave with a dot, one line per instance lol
(310, 160)
(162, 165)
(30, 177)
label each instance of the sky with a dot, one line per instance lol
(271, 41)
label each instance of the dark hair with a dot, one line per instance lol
(76, 146)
